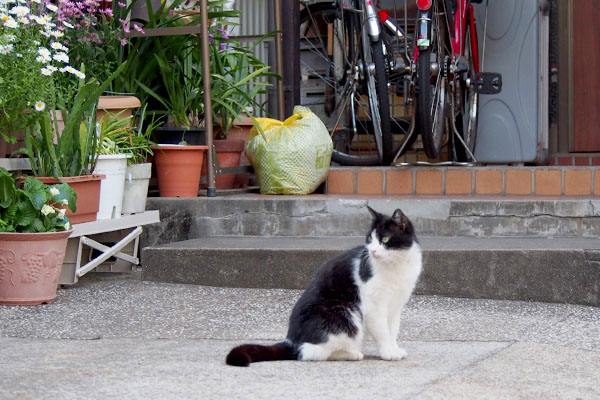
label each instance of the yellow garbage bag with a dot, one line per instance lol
(290, 157)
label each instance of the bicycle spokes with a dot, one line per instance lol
(346, 82)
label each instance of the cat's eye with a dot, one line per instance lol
(385, 239)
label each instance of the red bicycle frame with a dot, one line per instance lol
(465, 14)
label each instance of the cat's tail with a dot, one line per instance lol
(243, 355)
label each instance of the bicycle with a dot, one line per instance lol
(447, 58)
(361, 58)
(355, 64)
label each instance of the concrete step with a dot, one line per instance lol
(525, 268)
(323, 215)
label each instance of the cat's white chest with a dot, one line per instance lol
(394, 278)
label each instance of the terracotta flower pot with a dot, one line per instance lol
(30, 265)
(117, 104)
(178, 169)
(239, 131)
(87, 188)
(228, 153)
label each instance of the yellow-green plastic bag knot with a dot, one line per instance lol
(291, 156)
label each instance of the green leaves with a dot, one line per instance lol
(7, 189)
(74, 151)
(35, 207)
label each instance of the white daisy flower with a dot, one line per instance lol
(68, 25)
(23, 20)
(10, 38)
(46, 209)
(6, 49)
(57, 34)
(79, 74)
(51, 7)
(41, 59)
(64, 202)
(44, 52)
(52, 68)
(37, 1)
(46, 72)
(69, 69)
(58, 46)
(67, 226)
(62, 56)
(19, 11)
(54, 191)
(11, 23)
(40, 106)
(61, 215)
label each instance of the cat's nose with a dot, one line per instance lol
(373, 251)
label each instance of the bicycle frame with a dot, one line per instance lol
(464, 14)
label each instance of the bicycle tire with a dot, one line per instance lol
(467, 110)
(380, 94)
(431, 98)
(350, 123)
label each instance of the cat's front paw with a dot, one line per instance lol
(393, 354)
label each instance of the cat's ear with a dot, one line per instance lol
(374, 213)
(400, 219)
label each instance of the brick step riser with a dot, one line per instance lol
(461, 181)
(531, 275)
(183, 219)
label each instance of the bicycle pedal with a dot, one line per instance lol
(488, 82)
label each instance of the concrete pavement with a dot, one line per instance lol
(116, 336)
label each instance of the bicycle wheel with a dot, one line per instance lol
(431, 80)
(466, 112)
(346, 86)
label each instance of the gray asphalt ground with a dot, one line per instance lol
(114, 336)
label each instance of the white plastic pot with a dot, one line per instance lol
(111, 189)
(137, 178)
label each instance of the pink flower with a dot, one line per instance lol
(125, 26)
(124, 42)
(138, 28)
(121, 4)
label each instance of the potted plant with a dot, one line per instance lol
(237, 78)
(112, 163)
(139, 170)
(24, 84)
(177, 92)
(178, 165)
(70, 154)
(55, 90)
(33, 238)
(101, 45)
(128, 148)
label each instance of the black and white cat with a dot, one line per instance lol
(361, 291)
